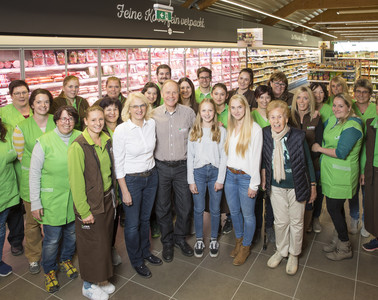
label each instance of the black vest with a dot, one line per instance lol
(294, 145)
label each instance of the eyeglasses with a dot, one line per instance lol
(204, 78)
(361, 92)
(138, 106)
(18, 94)
(67, 120)
(277, 84)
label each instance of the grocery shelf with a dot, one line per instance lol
(332, 70)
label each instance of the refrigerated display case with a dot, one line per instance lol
(10, 69)
(138, 60)
(177, 63)
(192, 63)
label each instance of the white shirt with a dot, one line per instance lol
(250, 164)
(133, 148)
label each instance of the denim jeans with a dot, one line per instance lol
(3, 219)
(51, 241)
(137, 216)
(206, 177)
(242, 208)
(354, 203)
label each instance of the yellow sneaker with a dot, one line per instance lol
(51, 283)
(69, 268)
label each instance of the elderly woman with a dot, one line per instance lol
(9, 192)
(304, 117)
(289, 179)
(279, 84)
(369, 176)
(69, 96)
(243, 146)
(92, 181)
(24, 139)
(134, 144)
(51, 199)
(245, 85)
(187, 93)
(342, 140)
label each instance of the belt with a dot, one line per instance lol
(172, 163)
(235, 171)
(142, 174)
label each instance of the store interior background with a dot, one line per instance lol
(43, 59)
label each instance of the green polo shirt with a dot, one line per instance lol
(200, 96)
(223, 116)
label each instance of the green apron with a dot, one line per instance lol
(339, 177)
(31, 132)
(56, 196)
(8, 191)
(259, 119)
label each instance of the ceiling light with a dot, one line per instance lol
(360, 36)
(352, 27)
(356, 11)
(275, 17)
(353, 31)
(344, 22)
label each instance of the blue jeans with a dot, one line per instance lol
(3, 219)
(51, 241)
(206, 177)
(354, 203)
(137, 216)
(242, 208)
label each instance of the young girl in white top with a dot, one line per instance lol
(206, 170)
(243, 147)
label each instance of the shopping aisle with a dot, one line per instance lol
(216, 278)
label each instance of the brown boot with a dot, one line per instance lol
(306, 224)
(331, 246)
(243, 254)
(343, 251)
(237, 247)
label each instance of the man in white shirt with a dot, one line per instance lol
(173, 122)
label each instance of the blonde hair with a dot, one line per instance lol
(92, 108)
(338, 80)
(246, 129)
(278, 104)
(126, 109)
(197, 133)
(348, 102)
(294, 108)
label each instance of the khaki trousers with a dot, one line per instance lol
(33, 236)
(288, 221)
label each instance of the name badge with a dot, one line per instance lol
(310, 127)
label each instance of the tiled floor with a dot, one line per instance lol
(216, 278)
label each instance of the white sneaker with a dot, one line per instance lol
(214, 248)
(94, 293)
(316, 225)
(364, 232)
(353, 226)
(116, 258)
(198, 248)
(108, 288)
(274, 260)
(292, 265)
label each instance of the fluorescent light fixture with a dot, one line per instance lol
(275, 17)
(356, 11)
(345, 22)
(353, 27)
(361, 36)
(353, 31)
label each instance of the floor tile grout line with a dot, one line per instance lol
(188, 277)
(18, 277)
(118, 289)
(358, 260)
(149, 288)
(265, 288)
(330, 273)
(304, 266)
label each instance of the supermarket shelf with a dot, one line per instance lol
(326, 81)
(11, 70)
(333, 70)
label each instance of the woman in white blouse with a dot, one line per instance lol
(243, 146)
(133, 146)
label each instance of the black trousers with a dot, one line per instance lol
(15, 222)
(176, 178)
(335, 208)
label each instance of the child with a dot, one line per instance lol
(206, 169)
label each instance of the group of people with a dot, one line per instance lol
(165, 155)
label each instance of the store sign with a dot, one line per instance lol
(250, 37)
(130, 19)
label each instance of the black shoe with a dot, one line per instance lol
(227, 228)
(185, 248)
(143, 271)
(154, 260)
(17, 250)
(167, 253)
(257, 236)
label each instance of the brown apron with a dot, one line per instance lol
(371, 205)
